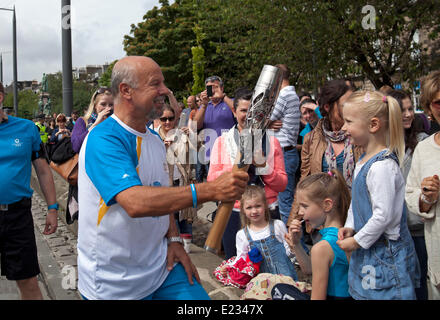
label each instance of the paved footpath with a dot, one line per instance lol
(54, 252)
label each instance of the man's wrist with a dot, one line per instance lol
(54, 206)
(176, 239)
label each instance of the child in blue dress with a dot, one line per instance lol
(263, 233)
(383, 262)
(323, 200)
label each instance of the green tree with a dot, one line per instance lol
(385, 53)
(317, 39)
(106, 79)
(166, 35)
(198, 60)
(82, 93)
(27, 103)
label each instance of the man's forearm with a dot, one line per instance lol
(143, 201)
(172, 230)
(45, 179)
(229, 102)
(200, 117)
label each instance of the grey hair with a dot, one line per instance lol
(124, 73)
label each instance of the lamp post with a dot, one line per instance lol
(1, 68)
(67, 57)
(14, 54)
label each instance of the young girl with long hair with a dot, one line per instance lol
(323, 199)
(383, 263)
(263, 233)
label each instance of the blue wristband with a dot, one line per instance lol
(194, 195)
(53, 207)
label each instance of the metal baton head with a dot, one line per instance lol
(264, 98)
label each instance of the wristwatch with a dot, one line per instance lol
(53, 207)
(175, 239)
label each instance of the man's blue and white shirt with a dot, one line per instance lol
(119, 257)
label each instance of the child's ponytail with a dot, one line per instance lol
(375, 104)
(344, 194)
(396, 133)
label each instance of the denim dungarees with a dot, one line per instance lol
(275, 259)
(389, 269)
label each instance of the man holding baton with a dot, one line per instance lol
(128, 243)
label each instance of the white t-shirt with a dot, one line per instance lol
(386, 187)
(242, 242)
(119, 257)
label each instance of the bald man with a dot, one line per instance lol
(128, 243)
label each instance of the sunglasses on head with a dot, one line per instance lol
(164, 119)
(214, 78)
(101, 91)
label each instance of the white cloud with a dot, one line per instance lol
(98, 29)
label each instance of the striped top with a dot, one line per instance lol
(287, 110)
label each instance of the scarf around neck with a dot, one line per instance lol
(330, 157)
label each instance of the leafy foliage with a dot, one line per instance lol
(27, 103)
(317, 39)
(82, 93)
(106, 79)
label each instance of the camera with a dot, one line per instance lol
(209, 91)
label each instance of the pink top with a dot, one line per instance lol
(275, 181)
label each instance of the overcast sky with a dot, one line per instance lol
(98, 29)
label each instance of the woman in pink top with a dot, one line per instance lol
(266, 171)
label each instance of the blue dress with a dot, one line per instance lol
(388, 270)
(275, 259)
(338, 273)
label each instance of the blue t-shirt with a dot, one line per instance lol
(338, 273)
(339, 163)
(217, 118)
(18, 139)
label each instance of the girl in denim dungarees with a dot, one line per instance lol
(383, 261)
(323, 200)
(263, 233)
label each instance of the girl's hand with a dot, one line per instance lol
(223, 271)
(295, 233)
(344, 233)
(348, 244)
(103, 115)
(430, 188)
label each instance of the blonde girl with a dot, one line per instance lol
(383, 262)
(323, 199)
(263, 233)
(100, 108)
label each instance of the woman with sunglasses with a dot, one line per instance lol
(179, 172)
(100, 108)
